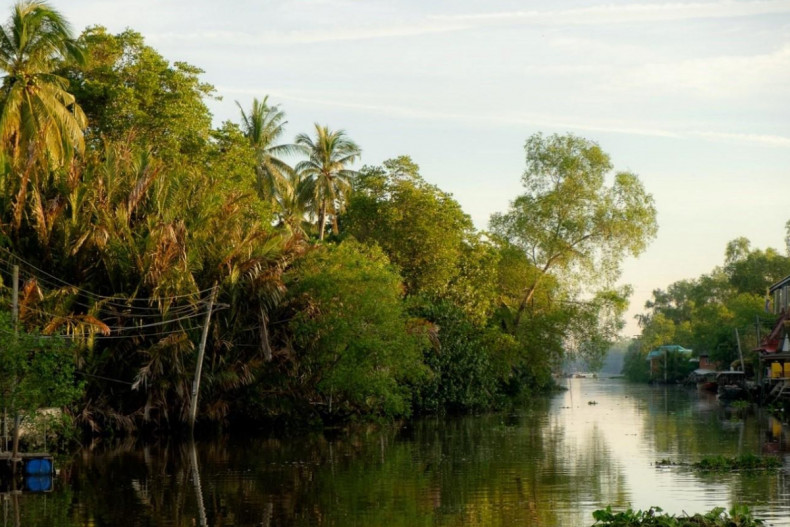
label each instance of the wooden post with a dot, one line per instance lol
(199, 365)
(740, 353)
(757, 322)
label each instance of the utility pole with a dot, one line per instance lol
(199, 365)
(15, 319)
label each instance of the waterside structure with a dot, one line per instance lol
(773, 373)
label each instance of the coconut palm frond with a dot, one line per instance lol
(330, 154)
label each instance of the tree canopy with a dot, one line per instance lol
(570, 222)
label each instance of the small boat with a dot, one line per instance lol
(705, 380)
(731, 385)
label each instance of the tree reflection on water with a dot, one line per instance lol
(550, 464)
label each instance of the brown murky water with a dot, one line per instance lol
(551, 464)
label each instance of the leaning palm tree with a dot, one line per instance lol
(262, 127)
(37, 114)
(329, 155)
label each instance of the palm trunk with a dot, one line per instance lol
(321, 220)
(266, 347)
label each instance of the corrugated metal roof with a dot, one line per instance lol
(780, 283)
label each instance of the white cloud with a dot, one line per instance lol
(722, 77)
(762, 139)
(278, 38)
(629, 13)
(510, 119)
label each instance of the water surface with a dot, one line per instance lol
(550, 464)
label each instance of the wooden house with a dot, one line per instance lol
(774, 348)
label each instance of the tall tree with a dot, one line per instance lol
(425, 233)
(393, 204)
(263, 126)
(569, 221)
(36, 109)
(330, 153)
(132, 94)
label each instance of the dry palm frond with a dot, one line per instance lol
(30, 295)
(170, 252)
(80, 326)
(420, 326)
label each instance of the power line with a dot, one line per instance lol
(121, 328)
(86, 374)
(62, 283)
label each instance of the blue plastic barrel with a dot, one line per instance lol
(38, 466)
(38, 483)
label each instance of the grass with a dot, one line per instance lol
(739, 516)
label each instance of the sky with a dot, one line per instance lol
(692, 96)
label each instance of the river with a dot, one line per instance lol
(550, 464)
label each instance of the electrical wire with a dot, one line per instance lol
(63, 283)
(101, 377)
(118, 337)
(122, 328)
(106, 305)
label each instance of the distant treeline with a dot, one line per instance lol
(703, 313)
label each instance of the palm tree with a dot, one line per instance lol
(329, 155)
(294, 204)
(263, 126)
(35, 108)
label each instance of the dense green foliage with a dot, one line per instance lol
(131, 94)
(349, 327)
(463, 374)
(36, 107)
(130, 206)
(421, 228)
(569, 223)
(36, 372)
